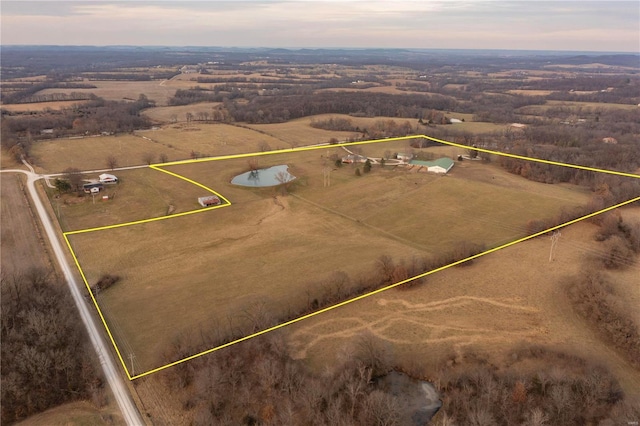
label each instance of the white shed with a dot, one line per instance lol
(107, 178)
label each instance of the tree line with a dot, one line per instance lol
(28, 94)
(20, 131)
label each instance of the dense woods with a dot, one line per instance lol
(258, 382)
(573, 392)
(46, 359)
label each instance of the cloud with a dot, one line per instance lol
(330, 23)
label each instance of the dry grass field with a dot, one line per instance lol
(530, 92)
(40, 106)
(570, 105)
(77, 414)
(22, 247)
(211, 139)
(278, 251)
(167, 114)
(8, 161)
(299, 132)
(176, 141)
(507, 297)
(54, 156)
(140, 194)
(157, 91)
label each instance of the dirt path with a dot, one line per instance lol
(507, 298)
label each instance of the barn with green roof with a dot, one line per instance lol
(441, 165)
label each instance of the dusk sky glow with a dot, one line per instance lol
(455, 24)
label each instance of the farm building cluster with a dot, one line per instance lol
(93, 186)
(440, 166)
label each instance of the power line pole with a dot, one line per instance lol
(555, 237)
(326, 177)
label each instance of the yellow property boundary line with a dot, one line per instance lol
(227, 203)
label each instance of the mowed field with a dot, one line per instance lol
(22, 247)
(212, 270)
(506, 298)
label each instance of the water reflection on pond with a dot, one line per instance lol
(421, 398)
(272, 176)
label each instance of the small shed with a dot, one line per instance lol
(209, 201)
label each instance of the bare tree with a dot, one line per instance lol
(112, 162)
(164, 158)
(284, 179)
(263, 146)
(148, 157)
(74, 177)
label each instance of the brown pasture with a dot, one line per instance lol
(158, 91)
(76, 413)
(212, 139)
(22, 246)
(505, 298)
(167, 114)
(177, 141)
(90, 153)
(215, 267)
(40, 106)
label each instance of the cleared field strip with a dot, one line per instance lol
(181, 295)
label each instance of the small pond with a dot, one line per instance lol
(272, 176)
(421, 398)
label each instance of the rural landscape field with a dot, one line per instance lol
(542, 329)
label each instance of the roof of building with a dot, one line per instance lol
(444, 162)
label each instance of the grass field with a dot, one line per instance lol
(125, 90)
(40, 106)
(528, 92)
(22, 247)
(215, 267)
(140, 194)
(166, 114)
(77, 414)
(594, 106)
(299, 132)
(509, 297)
(54, 156)
(212, 139)
(176, 141)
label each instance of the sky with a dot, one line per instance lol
(576, 25)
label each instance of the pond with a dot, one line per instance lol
(273, 176)
(421, 398)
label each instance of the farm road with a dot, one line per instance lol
(121, 393)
